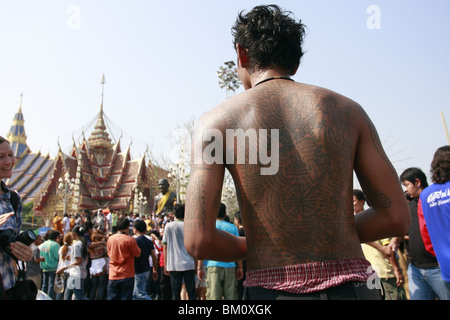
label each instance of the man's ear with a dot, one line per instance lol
(242, 54)
(417, 182)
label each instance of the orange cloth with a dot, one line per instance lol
(122, 249)
(57, 224)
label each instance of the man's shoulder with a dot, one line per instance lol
(143, 239)
(52, 244)
(215, 118)
(325, 94)
(121, 237)
(174, 224)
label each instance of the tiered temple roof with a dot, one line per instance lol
(100, 173)
(103, 175)
(32, 169)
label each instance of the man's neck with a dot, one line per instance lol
(257, 77)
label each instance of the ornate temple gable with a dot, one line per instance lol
(97, 192)
(70, 164)
(63, 164)
(49, 188)
(134, 175)
(103, 171)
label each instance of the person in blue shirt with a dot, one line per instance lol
(221, 277)
(435, 201)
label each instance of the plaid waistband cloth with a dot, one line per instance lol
(310, 277)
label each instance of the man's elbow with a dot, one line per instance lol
(402, 222)
(195, 247)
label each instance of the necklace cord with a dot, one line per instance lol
(273, 78)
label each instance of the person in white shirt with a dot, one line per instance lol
(66, 223)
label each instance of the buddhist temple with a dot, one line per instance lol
(96, 174)
(32, 169)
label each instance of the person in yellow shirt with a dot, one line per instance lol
(382, 259)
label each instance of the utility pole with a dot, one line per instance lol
(445, 127)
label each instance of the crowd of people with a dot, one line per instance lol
(102, 254)
(408, 267)
(296, 245)
(105, 255)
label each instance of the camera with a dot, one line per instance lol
(7, 237)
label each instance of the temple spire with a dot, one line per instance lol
(103, 88)
(16, 135)
(20, 103)
(99, 137)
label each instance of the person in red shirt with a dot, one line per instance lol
(122, 249)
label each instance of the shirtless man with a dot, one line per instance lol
(299, 219)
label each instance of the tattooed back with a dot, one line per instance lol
(303, 212)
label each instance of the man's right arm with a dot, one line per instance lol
(201, 237)
(389, 213)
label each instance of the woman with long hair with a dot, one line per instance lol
(10, 223)
(65, 255)
(77, 268)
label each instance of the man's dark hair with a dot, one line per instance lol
(178, 210)
(222, 211)
(53, 235)
(123, 223)
(411, 174)
(440, 166)
(359, 194)
(140, 225)
(271, 37)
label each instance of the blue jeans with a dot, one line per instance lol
(98, 287)
(140, 286)
(427, 284)
(121, 289)
(48, 283)
(75, 285)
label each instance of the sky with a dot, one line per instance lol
(160, 62)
